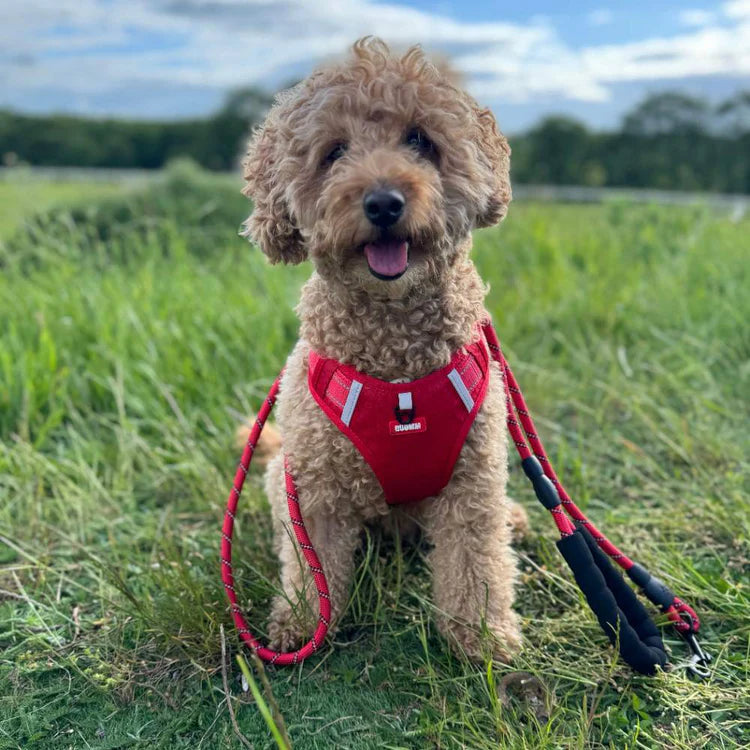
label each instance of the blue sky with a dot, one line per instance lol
(177, 58)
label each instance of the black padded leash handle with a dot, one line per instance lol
(621, 615)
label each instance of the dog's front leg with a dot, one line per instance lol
(294, 613)
(474, 567)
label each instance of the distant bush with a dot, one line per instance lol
(204, 207)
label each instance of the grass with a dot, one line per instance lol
(24, 194)
(136, 330)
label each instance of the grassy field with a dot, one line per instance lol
(136, 330)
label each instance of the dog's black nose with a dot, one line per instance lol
(384, 206)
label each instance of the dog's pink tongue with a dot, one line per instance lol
(387, 257)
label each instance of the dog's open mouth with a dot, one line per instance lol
(387, 259)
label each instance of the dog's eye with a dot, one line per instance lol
(335, 153)
(418, 140)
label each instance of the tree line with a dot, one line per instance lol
(70, 141)
(669, 141)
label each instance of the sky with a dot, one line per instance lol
(166, 59)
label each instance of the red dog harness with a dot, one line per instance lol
(409, 433)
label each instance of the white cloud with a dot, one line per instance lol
(230, 41)
(696, 17)
(739, 9)
(91, 47)
(600, 17)
(586, 73)
(710, 51)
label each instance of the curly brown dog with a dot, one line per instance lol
(378, 169)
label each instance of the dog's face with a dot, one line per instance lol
(377, 170)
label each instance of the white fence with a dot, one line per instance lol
(580, 194)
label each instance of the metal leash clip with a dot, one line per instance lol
(698, 665)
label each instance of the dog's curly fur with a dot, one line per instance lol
(306, 206)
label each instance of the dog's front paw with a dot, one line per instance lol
(501, 641)
(505, 638)
(287, 629)
(284, 636)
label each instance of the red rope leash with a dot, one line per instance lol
(295, 515)
(549, 490)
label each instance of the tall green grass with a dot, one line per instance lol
(134, 333)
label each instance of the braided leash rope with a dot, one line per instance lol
(295, 515)
(641, 645)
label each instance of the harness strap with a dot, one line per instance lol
(586, 549)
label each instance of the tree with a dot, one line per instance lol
(735, 114)
(556, 150)
(249, 104)
(227, 129)
(668, 113)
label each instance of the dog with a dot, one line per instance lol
(377, 169)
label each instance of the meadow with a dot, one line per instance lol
(137, 329)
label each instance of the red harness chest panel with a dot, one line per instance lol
(409, 433)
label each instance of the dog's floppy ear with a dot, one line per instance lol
(271, 225)
(495, 149)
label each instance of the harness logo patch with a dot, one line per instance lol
(419, 424)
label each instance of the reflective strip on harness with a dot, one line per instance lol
(351, 402)
(461, 389)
